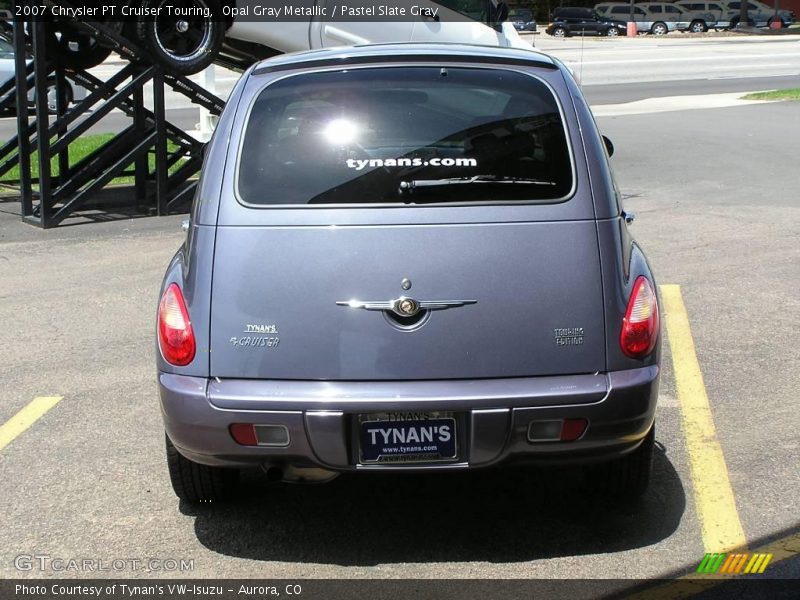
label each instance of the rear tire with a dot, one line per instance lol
(559, 32)
(626, 478)
(196, 483)
(776, 20)
(698, 27)
(612, 32)
(76, 50)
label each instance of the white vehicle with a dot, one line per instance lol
(685, 20)
(646, 22)
(786, 16)
(72, 92)
(485, 27)
(240, 31)
(722, 14)
(760, 14)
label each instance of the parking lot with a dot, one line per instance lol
(714, 188)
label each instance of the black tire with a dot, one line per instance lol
(612, 32)
(560, 32)
(196, 483)
(76, 50)
(659, 28)
(185, 45)
(698, 26)
(776, 20)
(626, 478)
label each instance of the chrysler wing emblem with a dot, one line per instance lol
(406, 307)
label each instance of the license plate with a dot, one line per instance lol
(411, 440)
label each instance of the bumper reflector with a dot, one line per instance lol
(544, 431)
(244, 434)
(272, 435)
(560, 430)
(249, 434)
(573, 429)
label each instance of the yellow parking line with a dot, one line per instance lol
(716, 505)
(25, 418)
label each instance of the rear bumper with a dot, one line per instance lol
(494, 415)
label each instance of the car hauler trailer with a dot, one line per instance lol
(156, 50)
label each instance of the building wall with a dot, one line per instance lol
(793, 5)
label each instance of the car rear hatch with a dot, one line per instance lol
(331, 268)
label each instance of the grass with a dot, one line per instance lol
(78, 150)
(788, 94)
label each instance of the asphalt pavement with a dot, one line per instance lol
(602, 61)
(714, 192)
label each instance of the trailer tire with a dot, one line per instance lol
(75, 49)
(185, 44)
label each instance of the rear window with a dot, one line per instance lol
(405, 135)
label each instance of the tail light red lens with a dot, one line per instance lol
(640, 326)
(175, 334)
(244, 434)
(572, 429)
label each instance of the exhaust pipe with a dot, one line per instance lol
(292, 474)
(273, 473)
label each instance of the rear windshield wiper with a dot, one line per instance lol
(418, 183)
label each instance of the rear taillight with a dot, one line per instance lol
(175, 335)
(640, 326)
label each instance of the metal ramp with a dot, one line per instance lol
(160, 157)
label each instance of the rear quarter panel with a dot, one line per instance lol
(191, 266)
(622, 259)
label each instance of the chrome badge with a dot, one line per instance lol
(404, 306)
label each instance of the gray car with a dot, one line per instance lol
(407, 257)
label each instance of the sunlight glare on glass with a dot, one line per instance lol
(340, 131)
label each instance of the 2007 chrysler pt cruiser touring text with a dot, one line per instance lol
(407, 257)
